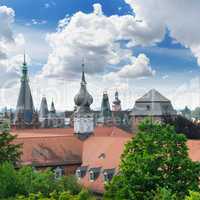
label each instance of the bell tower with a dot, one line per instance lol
(83, 117)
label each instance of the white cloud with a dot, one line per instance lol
(49, 4)
(139, 67)
(165, 77)
(179, 17)
(6, 19)
(9, 43)
(95, 37)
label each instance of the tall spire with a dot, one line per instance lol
(52, 110)
(83, 117)
(24, 68)
(83, 81)
(24, 63)
(25, 105)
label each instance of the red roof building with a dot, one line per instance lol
(94, 160)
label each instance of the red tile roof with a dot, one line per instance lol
(194, 149)
(46, 147)
(104, 152)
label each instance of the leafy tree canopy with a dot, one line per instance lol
(8, 151)
(156, 157)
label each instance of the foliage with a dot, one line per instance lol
(185, 126)
(164, 194)
(156, 157)
(32, 181)
(69, 183)
(83, 195)
(8, 151)
(9, 184)
(193, 196)
(27, 181)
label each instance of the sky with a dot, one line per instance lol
(127, 45)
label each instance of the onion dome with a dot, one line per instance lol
(83, 98)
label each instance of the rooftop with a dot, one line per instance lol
(153, 96)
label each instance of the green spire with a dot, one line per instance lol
(24, 69)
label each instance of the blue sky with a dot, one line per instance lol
(173, 63)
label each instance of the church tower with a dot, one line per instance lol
(116, 103)
(25, 108)
(105, 114)
(83, 117)
(43, 113)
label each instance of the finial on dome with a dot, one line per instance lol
(83, 72)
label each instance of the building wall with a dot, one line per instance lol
(137, 119)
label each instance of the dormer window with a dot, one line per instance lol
(92, 178)
(94, 173)
(58, 172)
(108, 174)
(102, 156)
(81, 171)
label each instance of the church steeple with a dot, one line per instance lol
(25, 108)
(83, 81)
(83, 99)
(116, 103)
(105, 114)
(24, 69)
(52, 110)
(83, 117)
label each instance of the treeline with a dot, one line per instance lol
(191, 114)
(26, 183)
(185, 126)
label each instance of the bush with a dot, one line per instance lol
(25, 181)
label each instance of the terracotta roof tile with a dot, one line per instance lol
(194, 149)
(45, 147)
(104, 152)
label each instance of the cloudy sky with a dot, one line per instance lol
(128, 45)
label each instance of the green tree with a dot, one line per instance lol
(36, 181)
(69, 183)
(8, 181)
(164, 194)
(193, 196)
(8, 151)
(156, 157)
(85, 195)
